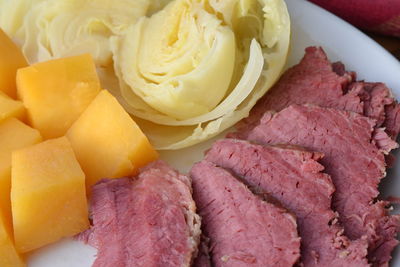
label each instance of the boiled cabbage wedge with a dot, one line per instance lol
(197, 67)
(50, 29)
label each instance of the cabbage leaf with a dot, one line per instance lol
(197, 67)
(48, 29)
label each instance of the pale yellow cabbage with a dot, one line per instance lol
(170, 69)
(12, 14)
(197, 67)
(58, 28)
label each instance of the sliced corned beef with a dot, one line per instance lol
(316, 81)
(293, 177)
(244, 230)
(146, 221)
(352, 159)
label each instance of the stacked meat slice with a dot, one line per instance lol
(293, 177)
(147, 221)
(244, 229)
(352, 158)
(354, 124)
(316, 81)
(150, 220)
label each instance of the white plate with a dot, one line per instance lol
(311, 25)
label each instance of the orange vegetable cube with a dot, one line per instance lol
(107, 142)
(13, 135)
(48, 196)
(56, 92)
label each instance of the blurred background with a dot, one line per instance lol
(380, 19)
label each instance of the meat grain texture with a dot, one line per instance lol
(147, 221)
(354, 160)
(244, 230)
(316, 81)
(294, 177)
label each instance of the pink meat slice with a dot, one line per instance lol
(294, 177)
(312, 81)
(354, 158)
(244, 230)
(146, 221)
(316, 81)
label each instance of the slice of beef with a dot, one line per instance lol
(244, 230)
(146, 221)
(352, 159)
(294, 177)
(316, 81)
(312, 81)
